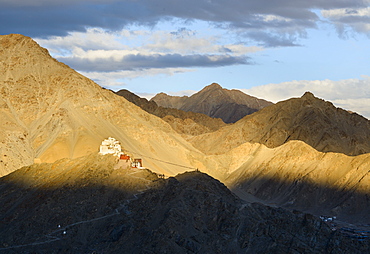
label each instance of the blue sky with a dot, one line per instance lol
(273, 49)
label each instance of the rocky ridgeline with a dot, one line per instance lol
(216, 102)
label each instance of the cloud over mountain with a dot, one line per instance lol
(139, 61)
(276, 17)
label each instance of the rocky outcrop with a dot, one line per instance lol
(216, 102)
(188, 123)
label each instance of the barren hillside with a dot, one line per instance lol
(312, 120)
(50, 111)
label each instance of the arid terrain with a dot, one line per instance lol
(258, 185)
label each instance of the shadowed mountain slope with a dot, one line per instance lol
(309, 119)
(183, 122)
(216, 102)
(50, 111)
(85, 205)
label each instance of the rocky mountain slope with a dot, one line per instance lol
(309, 119)
(214, 101)
(50, 111)
(183, 122)
(85, 205)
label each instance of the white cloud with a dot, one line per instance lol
(130, 49)
(350, 94)
(346, 18)
(77, 42)
(188, 42)
(116, 80)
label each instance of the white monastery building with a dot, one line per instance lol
(111, 146)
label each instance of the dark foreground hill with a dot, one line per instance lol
(183, 122)
(85, 205)
(216, 102)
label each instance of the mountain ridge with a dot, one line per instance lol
(215, 101)
(312, 120)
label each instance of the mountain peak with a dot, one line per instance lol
(216, 102)
(213, 86)
(27, 43)
(308, 94)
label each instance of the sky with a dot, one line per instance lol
(272, 49)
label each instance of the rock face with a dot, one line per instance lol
(49, 111)
(309, 119)
(216, 102)
(85, 206)
(183, 122)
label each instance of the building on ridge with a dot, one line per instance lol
(110, 146)
(113, 146)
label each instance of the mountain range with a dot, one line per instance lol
(309, 119)
(216, 102)
(299, 159)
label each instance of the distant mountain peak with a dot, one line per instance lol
(212, 86)
(308, 94)
(216, 102)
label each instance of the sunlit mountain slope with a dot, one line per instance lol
(49, 111)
